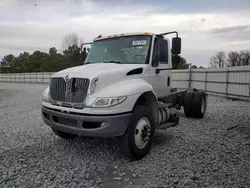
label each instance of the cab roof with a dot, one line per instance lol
(124, 34)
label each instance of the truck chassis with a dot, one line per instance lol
(192, 101)
(138, 109)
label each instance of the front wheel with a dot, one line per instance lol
(136, 142)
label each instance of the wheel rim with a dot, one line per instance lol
(142, 133)
(203, 105)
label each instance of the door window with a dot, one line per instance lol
(163, 51)
(160, 53)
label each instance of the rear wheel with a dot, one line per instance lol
(136, 142)
(188, 107)
(63, 134)
(199, 104)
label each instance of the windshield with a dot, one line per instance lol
(124, 50)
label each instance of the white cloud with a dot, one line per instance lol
(44, 26)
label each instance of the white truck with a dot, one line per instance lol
(123, 89)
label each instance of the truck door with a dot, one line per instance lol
(161, 81)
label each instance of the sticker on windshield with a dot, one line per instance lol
(139, 42)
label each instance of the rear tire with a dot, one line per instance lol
(63, 134)
(188, 107)
(199, 104)
(141, 126)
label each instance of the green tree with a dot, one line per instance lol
(194, 67)
(73, 54)
(52, 51)
(37, 62)
(21, 63)
(71, 44)
(181, 65)
(8, 60)
(7, 63)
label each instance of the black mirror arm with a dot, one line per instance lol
(157, 71)
(85, 44)
(172, 32)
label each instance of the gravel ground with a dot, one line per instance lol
(197, 153)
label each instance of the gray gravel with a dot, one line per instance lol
(197, 153)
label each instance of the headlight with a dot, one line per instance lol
(108, 102)
(45, 96)
(93, 85)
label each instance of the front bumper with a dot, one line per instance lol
(86, 125)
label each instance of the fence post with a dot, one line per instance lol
(227, 76)
(190, 78)
(206, 81)
(49, 77)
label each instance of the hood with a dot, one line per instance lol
(104, 71)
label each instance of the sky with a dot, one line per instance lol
(205, 27)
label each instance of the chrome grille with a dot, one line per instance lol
(73, 91)
(57, 89)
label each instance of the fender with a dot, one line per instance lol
(133, 88)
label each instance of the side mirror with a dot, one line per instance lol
(84, 50)
(176, 59)
(176, 45)
(84, 54)
(155, 64)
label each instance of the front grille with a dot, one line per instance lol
(73, 91)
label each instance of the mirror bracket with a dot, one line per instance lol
(176, 42)
(171, 32)
(85, 44)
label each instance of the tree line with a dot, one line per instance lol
(54, 61)
(231, 59)
(45, 62)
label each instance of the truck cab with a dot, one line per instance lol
(117, 92)
(148, 55)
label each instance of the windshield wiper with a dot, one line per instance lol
(118, 62)
(89, 62)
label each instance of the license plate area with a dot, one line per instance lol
(64, 121)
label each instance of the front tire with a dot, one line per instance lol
(63, 134)
(136, 142)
